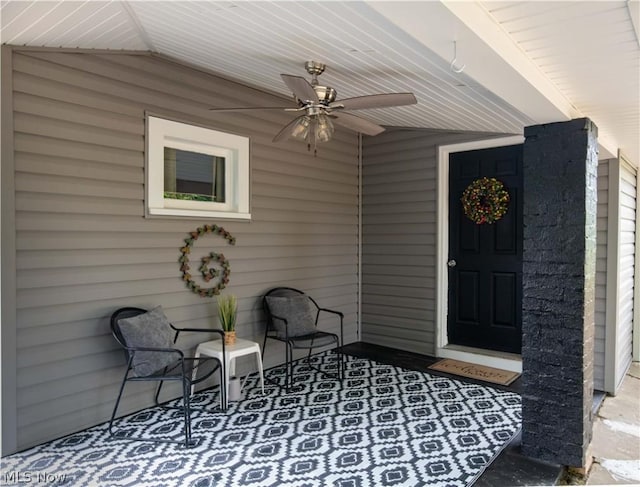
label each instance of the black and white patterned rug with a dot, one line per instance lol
(383, 426)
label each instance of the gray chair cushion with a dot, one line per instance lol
(150, 329)
(299, 312)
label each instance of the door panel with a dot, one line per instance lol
(467, 311)
(485, 285)
(503, 306)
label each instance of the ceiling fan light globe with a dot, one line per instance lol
(326, 122)
(301, 129)
(324, 128)
(323, 135)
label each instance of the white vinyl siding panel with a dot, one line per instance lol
(620, 272)
(84, 248)
(601, 276)
(399, 214)
(626, 255)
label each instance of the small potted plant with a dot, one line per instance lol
(227, 312)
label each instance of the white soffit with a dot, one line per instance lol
(590, 51)
(91, 24)
(493, 56)
(488, 55)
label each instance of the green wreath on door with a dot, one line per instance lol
(485, 200)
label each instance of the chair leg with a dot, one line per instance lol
(186, 403)
(115, 408)
(343, 365)
(194, 372)
(264, 344)
(160, 387)
(158, 392)
(223, 387)
(286, 367)
(186, 393)
(309, 355)
(289, 367)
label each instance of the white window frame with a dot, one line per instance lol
(161, 133)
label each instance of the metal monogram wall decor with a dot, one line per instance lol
(207, 272)
(485, 200)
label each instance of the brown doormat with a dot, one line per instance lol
(475, 371)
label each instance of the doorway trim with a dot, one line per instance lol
(443, 348)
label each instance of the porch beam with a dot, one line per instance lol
(521, 82)
(490, 56)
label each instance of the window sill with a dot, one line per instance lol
(173, 212)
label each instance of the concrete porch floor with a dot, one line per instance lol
(616, 436)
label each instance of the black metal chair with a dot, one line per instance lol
(151, 356)
(292, 317)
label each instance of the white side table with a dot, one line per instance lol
(239, 348)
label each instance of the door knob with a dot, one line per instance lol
(452, 263)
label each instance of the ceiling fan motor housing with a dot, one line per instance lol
(325, 94)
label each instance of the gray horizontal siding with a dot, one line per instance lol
(399, 215)
(601, 276)
(84, 248)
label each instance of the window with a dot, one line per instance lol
(195, 172)
(191, 176)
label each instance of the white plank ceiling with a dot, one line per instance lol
(587, 50)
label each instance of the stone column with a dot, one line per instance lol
(559, 268)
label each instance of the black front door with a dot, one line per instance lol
(485, 260)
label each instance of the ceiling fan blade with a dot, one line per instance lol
(287, 130)
(300, 87)
(381, 100)
(356, 123)
(239, 109)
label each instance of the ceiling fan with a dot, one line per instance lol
(320, 110)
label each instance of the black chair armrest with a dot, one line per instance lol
(156, 349)
(339, 313)
(202, 330)
(133, 350)
(196, 330)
